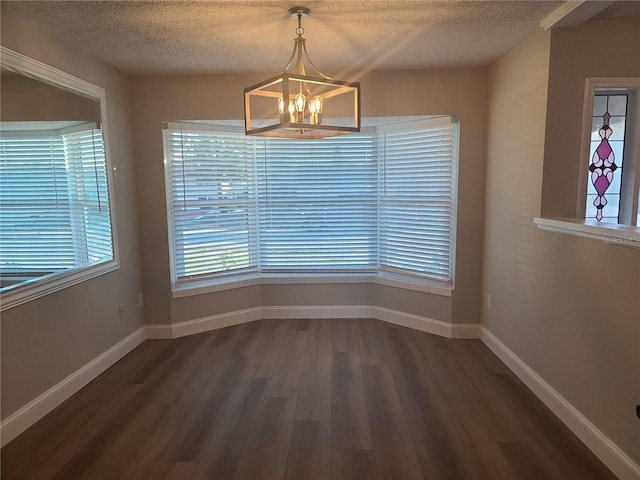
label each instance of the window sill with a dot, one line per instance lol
(405, 282)
(623, 235)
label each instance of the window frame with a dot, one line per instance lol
(631, 148)
(38, 287)
(185, 286)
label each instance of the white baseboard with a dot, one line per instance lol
(428, 325)
(607, 451)
(416, 322)
(158, 332)
(318, 311)
(33, 411)
(205, 324)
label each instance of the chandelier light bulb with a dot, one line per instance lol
(301, 102)
(292, 111)
(315, 110)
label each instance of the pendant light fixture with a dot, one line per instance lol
(295, 104)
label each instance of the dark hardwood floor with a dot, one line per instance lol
(303, 399)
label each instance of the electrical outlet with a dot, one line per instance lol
(488, 301)
(140, 300)
(121, 312)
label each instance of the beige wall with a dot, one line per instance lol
(48, 339)
(567, 306)
(456, 91)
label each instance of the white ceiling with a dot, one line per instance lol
(169, 37)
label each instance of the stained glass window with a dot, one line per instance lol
(608, 129)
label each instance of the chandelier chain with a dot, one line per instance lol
(299, 30)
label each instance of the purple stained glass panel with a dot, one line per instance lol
(607, 145)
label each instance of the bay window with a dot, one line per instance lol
(378, 201)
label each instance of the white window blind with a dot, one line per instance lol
(417, 198)
(317, 204)
(212, 202)
(88, 196)
(356, 203)
(54, 202)
(35, 218)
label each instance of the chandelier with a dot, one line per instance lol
(295, 104)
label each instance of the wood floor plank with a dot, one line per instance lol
(370, 342)
(317, 378)
(172, 471)
(393, 446)
(222, 456)
(77, 451)
(29, 449)
(174, 399)
(349, 414)
(310, 451)
(345, 335)
(263, 361)
(136, 459)
(266, 456)
(405, 362)
(560, 445)
(353, 465)
(530, 462)
(239, 340)
(438, 360)
(483, 458)
(451, 388)
(191, 436)
(500, 415)
(68, 427)
(436, 451)
(107, 442)
(285, 381)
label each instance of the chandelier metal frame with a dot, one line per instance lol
(294, 104)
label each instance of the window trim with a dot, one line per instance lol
(591, 85)
(39, 287)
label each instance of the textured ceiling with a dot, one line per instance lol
(153, 37)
